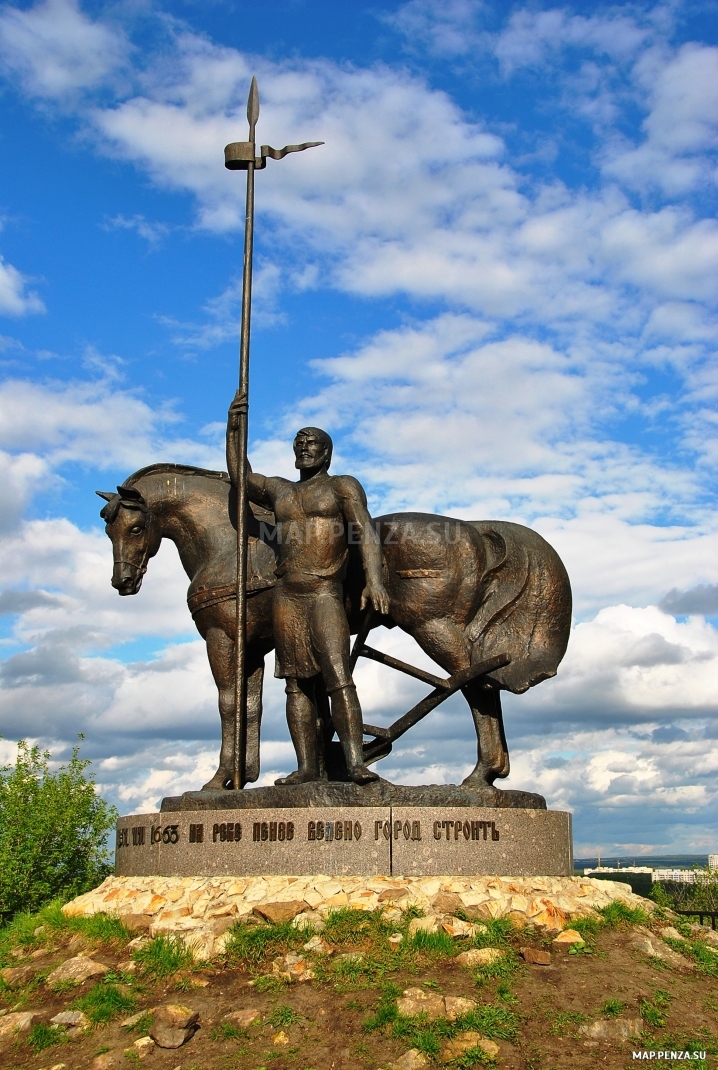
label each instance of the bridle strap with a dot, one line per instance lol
(142, 567)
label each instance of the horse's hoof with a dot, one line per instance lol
(297, 777)
(361, 775)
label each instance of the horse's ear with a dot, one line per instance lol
(108, 495)
(130, 494)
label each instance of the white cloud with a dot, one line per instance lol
(21, 474)
(54, 49)
(15, 300)
(152, 232)
(681, 129)
(532, 37)
(388, 207)
(445, 29)
(94, 423)
(223, 312)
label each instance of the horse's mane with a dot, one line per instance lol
(179, 469)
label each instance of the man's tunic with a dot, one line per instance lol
(311, 631)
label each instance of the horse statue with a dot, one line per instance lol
(467, 591)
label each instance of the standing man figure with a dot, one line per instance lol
(316, 519)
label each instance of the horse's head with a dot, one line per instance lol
(135, 534)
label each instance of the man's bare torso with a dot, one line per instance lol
(311, 522)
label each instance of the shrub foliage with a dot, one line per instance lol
(53, 831)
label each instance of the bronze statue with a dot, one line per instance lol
(472, 593)
(311, 631)
(300, 566)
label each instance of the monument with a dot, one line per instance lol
(300, 567)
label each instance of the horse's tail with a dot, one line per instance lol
(525, 607)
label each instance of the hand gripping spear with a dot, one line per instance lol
(240, 156)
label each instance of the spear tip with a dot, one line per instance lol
(253, 104)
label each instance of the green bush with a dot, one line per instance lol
(53, 831)
(703, 895)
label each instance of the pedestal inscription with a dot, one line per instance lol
(361, 841)
(476, 842)
(338, 841)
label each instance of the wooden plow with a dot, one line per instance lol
(384, 738)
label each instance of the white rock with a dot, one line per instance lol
(309, 919)
(18, 1022)
(428, 924)
(71, 1019)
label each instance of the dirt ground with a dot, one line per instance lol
(346, 1016)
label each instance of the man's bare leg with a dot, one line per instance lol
(347, 718)
(302, 721)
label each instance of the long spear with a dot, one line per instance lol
(240, 156)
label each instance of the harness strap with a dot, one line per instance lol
(212, 596)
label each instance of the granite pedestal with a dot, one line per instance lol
(346, 840)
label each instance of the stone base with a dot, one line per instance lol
(200, 910)
(346, 841)
(339, 793)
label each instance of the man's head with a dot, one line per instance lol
(312, 448)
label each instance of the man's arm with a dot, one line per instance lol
(354, 506)
(256, 484)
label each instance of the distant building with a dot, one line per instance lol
(680, 876)
(617, 869)
(712, 861)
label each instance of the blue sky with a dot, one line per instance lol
(494, 285)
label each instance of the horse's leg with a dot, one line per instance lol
(445, 642)
(220, 651)
(255, 680)
(492, 762)
(259, 643)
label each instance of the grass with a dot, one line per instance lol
(702, 1041)
(588, 927)
(283, 1016)
(496, 1023)
(385, 1010)
(497, 932)
(268, 982)
(142, 1025)
(55, 928)
(654, 1011)
(185, 984)
(491, 1020)
(227, 1031)
(502, 969)
(473, 1057)
(43, 1036)
(251, 945)
(105, 1002)
(348, 926)
(504, 993)
(618, 915)
(354, 973)
(563, 1021)
(434, 945)
(162, 956)
(706, 961)
(107, 928)
(613, 1008)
